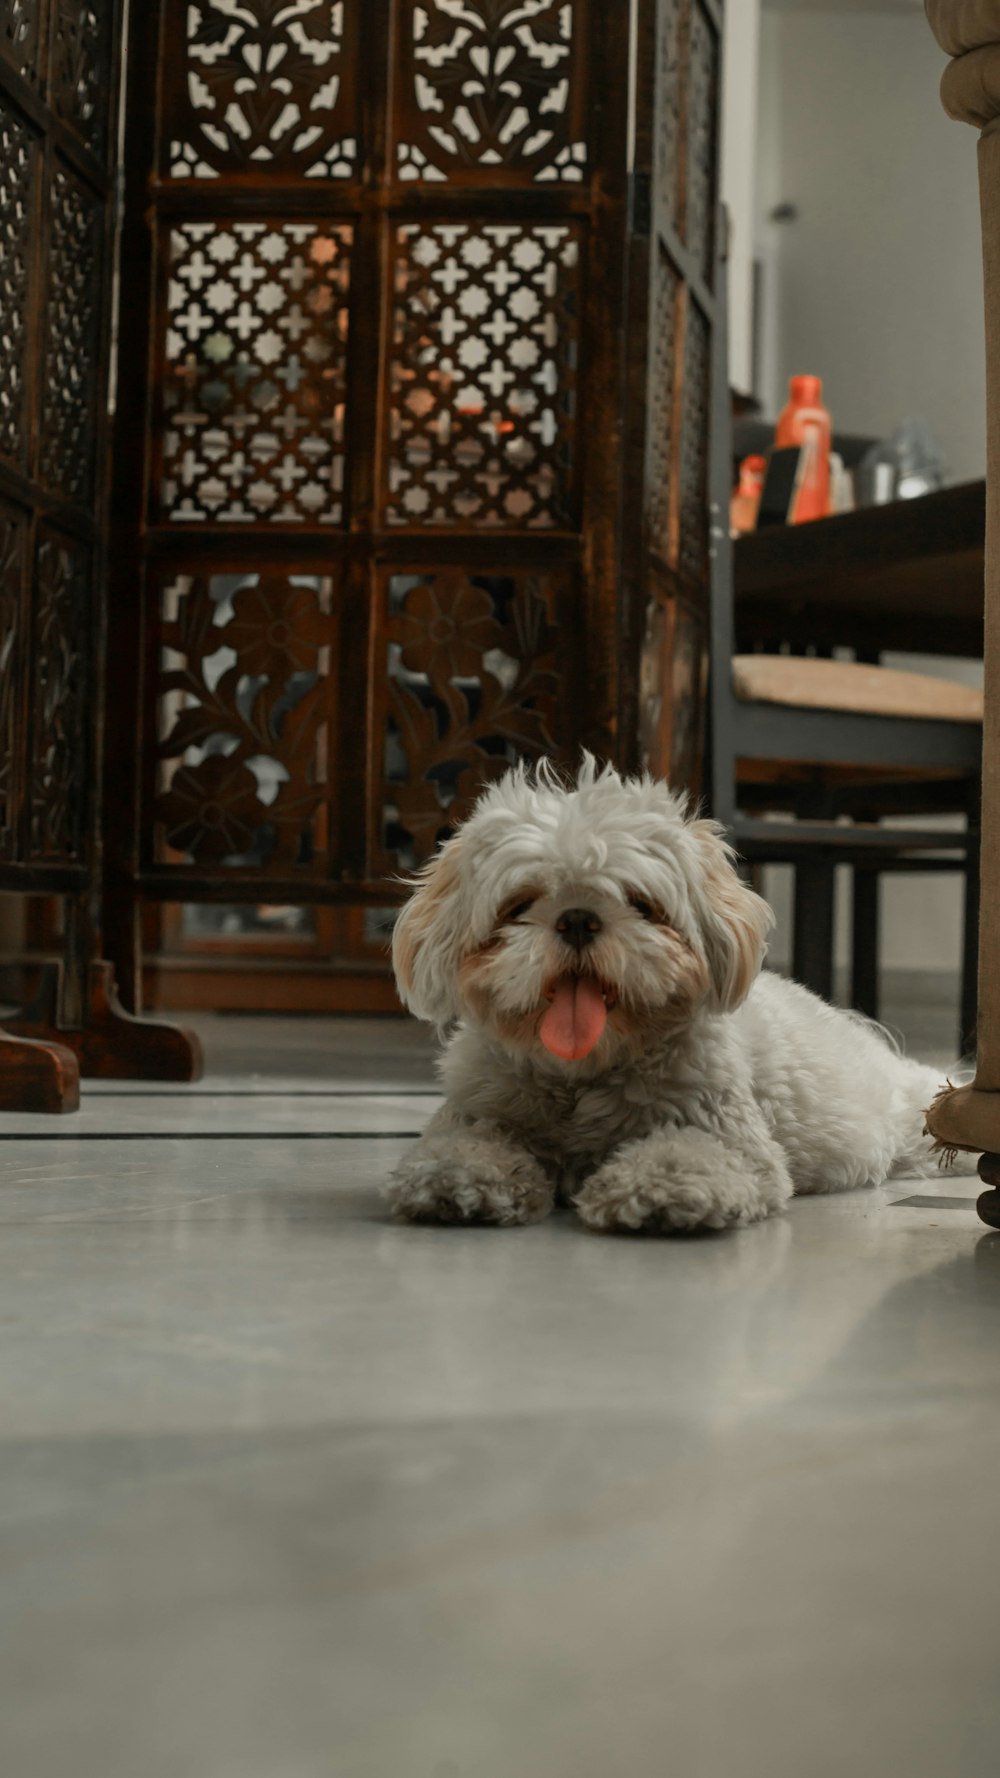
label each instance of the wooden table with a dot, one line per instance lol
(907, 577)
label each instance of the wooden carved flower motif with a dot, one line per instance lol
(446, 628)
(276, 628)
(211, 810)
(487, 653)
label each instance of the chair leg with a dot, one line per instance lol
(866, 885)
(812, 929)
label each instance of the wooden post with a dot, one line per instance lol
(969, 1117)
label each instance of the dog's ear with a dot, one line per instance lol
(735, 921)
(427, 938)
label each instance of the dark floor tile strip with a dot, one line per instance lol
(927, 1203)
(203, 1092)
(208, 1135)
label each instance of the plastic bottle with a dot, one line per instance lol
(806, 422)
(746, 497)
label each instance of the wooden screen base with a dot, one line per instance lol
(110, 1043)
(37, 1076)
(988, 1202)
(969, 1118)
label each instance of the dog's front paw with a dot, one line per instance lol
(674, 1182)
(467, 1176)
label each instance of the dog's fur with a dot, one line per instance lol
(714, 1092)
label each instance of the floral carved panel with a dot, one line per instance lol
(668, 163)
(693, 464)
(68, 414)
(490, 89)
(473, 672)
(687, 116)
(247, 666)
(483, 375)
(673, 675)
(702, 120)
(17, 173)
(20, 22)
(59, 757)
(661, 422)
(255, 348)
(80, 32)
(11, 571)
(265, 87)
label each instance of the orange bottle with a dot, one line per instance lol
(746, 497)
(806, 422)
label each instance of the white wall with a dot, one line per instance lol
(876, 286)
(738, 179)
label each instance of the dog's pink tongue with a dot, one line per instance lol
(574, 1022)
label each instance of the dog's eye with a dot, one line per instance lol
(645, 908)
(519, 908)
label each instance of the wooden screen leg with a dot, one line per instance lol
(121, 940)
(110, 1044)
(37, 1076)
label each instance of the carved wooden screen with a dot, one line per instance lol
(58, 81)
(383, 253)
(674, 254)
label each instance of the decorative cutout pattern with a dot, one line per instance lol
(686, 118)
(59, 754)
(693, 474)
(66, 456)
(661, 425)
(672, 682)
(702, 111)
(483, 374)
(79, 56)
(243, 700)
(11, 546)
(17, 163)
(488, 83)
(688, 681)
(669, 125)
(472, 687)
(19, 21)
(264, 88)
(652, 656)
(255, 350)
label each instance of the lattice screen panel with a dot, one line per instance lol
(58, 92)
(671, 565)
(253, 374)
(423, 454)
(494, 93)
(265, 88)
(484, 344)
(18, 173)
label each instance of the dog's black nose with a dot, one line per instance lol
(578, 926)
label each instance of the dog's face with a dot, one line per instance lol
(579, 924)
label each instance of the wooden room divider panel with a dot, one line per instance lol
(59, 83)
(411, 445)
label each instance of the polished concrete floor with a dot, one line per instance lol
(287, 1491)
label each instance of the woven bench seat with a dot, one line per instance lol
(805, 683)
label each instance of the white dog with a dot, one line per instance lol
(614, 1038)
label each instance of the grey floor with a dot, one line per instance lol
(289, 1492)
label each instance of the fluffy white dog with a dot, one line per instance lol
(614, 1040)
